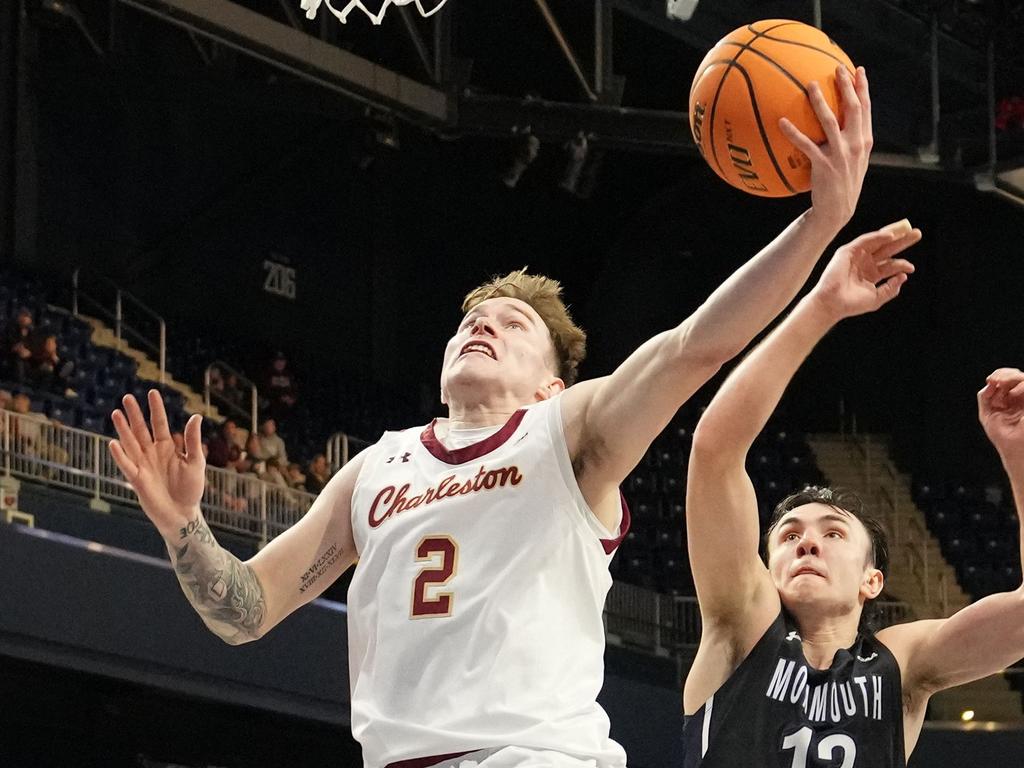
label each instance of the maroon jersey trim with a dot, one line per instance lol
(610, 545)
(470, 452)
(426, 762)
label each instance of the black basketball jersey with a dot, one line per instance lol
(777, 711)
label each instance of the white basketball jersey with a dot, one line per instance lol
(475, 611)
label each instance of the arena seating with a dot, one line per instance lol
(101, 375)
(979, 532)
(654, 552)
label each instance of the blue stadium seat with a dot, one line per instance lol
(959, 549)
(672, 484)
(674, 576)
(980, 579)
(646, 508)
(668, 535)
(89, 420)
(61, 410)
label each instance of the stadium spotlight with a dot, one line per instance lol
(576, 148)
(525, 148)
(681, 10)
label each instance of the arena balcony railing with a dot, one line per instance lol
(80, 461)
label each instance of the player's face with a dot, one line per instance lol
(501, 344)
(819, 555)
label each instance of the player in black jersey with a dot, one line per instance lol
(786, 675)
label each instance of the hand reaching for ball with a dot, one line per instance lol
(838, 166)
(866, 273)
(1001, 412)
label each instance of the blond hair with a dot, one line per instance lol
(544, 295)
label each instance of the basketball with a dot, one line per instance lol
(751, 78)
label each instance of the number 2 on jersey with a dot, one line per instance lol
(443, 552)
(800, 743)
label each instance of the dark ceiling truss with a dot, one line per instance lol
(440, 98)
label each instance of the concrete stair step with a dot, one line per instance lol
(104, 336)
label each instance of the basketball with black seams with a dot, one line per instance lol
(751, 78)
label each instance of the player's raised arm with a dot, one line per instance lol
(733, 587)
(987, 636)
(238, 601)
(610, 422)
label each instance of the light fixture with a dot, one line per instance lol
(967, 715)
(525, 148)
(576, 148)
(681, 10)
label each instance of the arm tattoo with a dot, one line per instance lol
(320, 567)
(223, 590)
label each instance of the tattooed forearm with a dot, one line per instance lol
(223, 590)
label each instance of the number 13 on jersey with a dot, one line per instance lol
(442, 554)
(828, 747)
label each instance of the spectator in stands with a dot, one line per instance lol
(295, 477)
(48, 372)
(253, 453)
(17, 346)
(279, 387)
(317, 474)
(232, 392)
(218, 446)
(270, 443)
(273, 474)
(27, 429)
(224, 387)
(233, 434)
(5, 405)
(28, 433)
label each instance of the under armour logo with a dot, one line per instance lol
(872, 657)
(793, 636)
(404, 457)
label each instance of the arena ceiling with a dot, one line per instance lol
(617, 71)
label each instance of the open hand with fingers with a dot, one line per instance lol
(169, 484)
(865, 274)
(1001, 412)
(838, 166)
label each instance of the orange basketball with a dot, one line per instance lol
(752, 77)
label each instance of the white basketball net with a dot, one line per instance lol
(311, 7)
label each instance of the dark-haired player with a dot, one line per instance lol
(786, 675)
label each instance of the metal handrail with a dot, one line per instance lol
(671, 624)
(78, 460)
(337, 451)
(119, 323)
(253, 414)
(121, 297)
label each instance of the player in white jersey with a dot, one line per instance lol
(483, 539)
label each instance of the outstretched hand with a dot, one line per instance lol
(838, 166)
(1001, 411)
(864, 274)
(169, 484)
